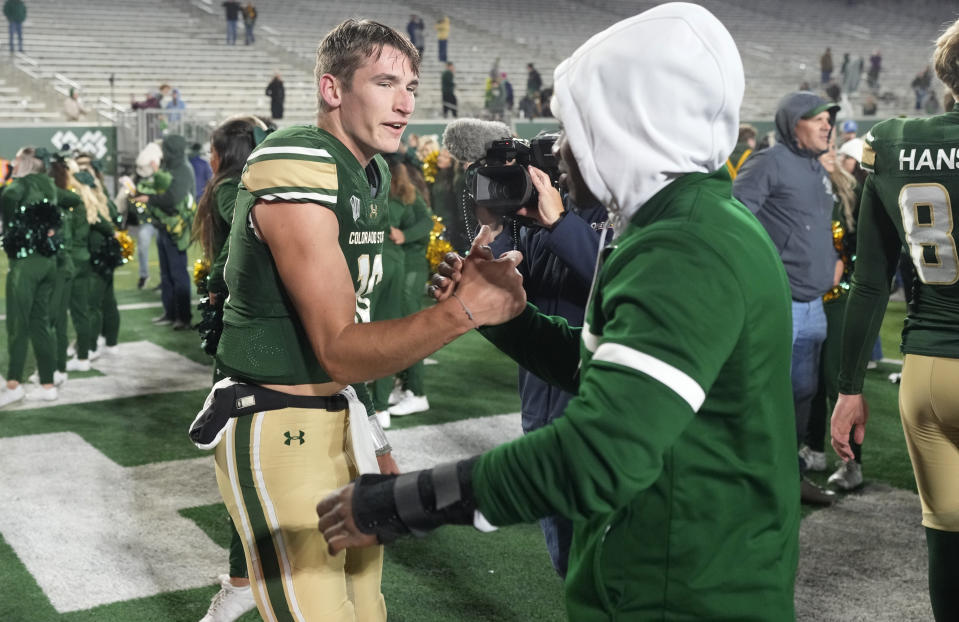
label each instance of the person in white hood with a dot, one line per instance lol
(674, 460)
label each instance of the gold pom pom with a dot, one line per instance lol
(429, 166)
(438, 246)
(201, 270)
(127, 245)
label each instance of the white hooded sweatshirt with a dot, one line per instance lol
(649, 99)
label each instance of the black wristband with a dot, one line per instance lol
(390, 506)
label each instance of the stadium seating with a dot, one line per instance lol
(143, 43)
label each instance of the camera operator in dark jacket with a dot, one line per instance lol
(559, 257)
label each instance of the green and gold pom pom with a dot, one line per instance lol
(429, 166)
(201, 270)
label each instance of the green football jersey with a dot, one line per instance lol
(911, 200)
(676, 460)
(263, 339)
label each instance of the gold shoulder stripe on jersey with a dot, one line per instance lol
(290, 174)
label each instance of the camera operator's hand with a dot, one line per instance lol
(550, 205)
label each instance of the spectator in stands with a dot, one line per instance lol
(414, 29)
(151, 100)
(508, 90)
(850, 80)
(527, 107)
(921, 85)
(745, 145)
(447, 89)
(442, 27)
(869, 106)
(249, 21)
(545, 96)
(202, 171)
(533, 82)
(825, 66)
(849, 130)
(174, 103)
(73, 106)
(232, 8)
(496, 100)
(833, 91)
(277, 95)
(16, 12)
(788, 190)
(875, 67)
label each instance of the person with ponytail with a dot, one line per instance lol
(230, 146)
(31, 223)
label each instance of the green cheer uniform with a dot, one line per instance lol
(403, 264)
(66, 270)
(30, 283)
(82, 285)
(911, 199)
(104, 314)
(225, 199)
(683, 494)
(264, 342)
(416, 233)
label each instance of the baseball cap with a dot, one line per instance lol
(832, 107)
(850, 126)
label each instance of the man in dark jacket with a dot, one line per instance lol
(789, 191)
(559, 256)
(172, 209)
(15, 12)
(277, 94)
(447, 86)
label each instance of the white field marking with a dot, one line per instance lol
(92, 532)
(136, 368)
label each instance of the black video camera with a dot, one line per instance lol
(505, 188)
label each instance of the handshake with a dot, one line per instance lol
(489, 289)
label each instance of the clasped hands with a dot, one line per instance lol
(490, 288)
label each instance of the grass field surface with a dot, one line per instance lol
(117, 462)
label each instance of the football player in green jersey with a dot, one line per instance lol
(674, 460)
(304, 259)
(911, 198)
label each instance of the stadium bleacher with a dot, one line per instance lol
(142, 44)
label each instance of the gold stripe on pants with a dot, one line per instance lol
(272, 469)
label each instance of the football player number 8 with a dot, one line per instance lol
(927, 224)
(368, 275)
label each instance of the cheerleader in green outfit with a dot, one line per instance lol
(81, 220)
(400, 293)
(30, 238)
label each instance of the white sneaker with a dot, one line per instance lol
(848, 476)
(383, 416)
(111, 350)
(101, 341)
(12, 395)
(409, 405)
(397, 395)
(47, 395)
(72, 349)
(93, 355)
(78, 365)
(872, 364)
(59, 377)
(815, 460)
(230, 602)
